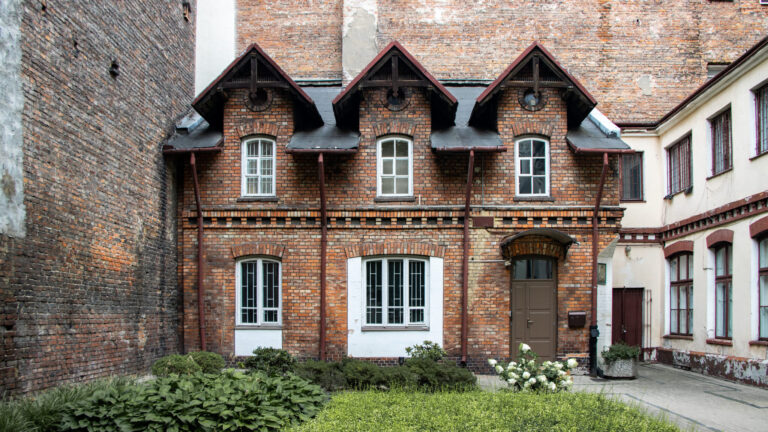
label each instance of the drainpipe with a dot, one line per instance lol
(200, 250)
(323, 251)
(465, 264)
(593, 332)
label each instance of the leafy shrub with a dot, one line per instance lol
(427, 350)
(399, 377)
(271, 361)
(362, 374)
(620, 351)
(209, 362)
(438, 376)
(227, 401)
(527, 374)
(480, 411)
(175, 364)
(328, 375)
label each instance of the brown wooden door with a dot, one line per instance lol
(627, 321)
(534, 316)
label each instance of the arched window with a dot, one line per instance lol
(681, 294)
(532, 167)
(394, 167)
(258, 167)
(258, 292)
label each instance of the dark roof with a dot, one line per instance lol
(326, 137)
(346, 103)
(554, 234)
(589, 137)
(210, 102)
(578, 100)
(193, 134)
(762, 43)
(463, 137)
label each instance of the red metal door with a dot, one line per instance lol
(627, 316)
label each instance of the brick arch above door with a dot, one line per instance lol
(538, 241)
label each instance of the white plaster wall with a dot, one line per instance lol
(12, 212)
(215, 40)
(648, 213)
(390, 343)
(248, 340)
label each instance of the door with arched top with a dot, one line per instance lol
(533, 300)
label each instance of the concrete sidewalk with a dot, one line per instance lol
(691, 400)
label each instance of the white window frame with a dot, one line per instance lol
(518, 159)
(259, 292)
(380, 165)
(244, 158)
(406, 292)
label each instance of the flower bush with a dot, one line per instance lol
(526, 374)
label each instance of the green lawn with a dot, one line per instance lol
(479, 411)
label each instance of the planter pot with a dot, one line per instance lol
(623, 368)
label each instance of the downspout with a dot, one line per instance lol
(593, 332)
(465, 263)
(323, 251)
(200, 250)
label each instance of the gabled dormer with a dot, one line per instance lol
(256, 72)
(395, 69)
(533, 70)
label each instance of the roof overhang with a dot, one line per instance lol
(558, 236)
(596, 134)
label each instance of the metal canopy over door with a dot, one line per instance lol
(627, 321)
(534, 306)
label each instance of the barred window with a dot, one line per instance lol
(258, 167)
(395, 291)
(721, 142)
(679, 165)
(258, 292)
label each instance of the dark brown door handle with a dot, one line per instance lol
(528, 324)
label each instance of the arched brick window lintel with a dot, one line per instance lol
(394, 128)
(257, 127)
(259, 248)
(678, 247)
(395, 248)
(719, 236)
(759, 228)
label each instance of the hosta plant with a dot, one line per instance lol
(527, 374)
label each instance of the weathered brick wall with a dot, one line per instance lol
(92, 290)
(638, 58)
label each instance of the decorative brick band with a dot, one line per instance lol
(720, 236)
(390, 128)
(530, 127)
(534, 245)
(677, 247)
(248, 128)
(759, 227)
(394, 248)
(249, 249)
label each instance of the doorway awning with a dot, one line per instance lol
(537, 241)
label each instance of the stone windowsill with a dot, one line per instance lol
(759, 342)
(389, 199)
(718, 341)
(676, 336)
(533, 199)
(259, 327)
(395, 328)
(257, 199)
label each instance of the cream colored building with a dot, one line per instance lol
(703, 191)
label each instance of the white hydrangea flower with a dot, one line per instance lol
(510, 366)
(492, 362)
(552, 386)
(526, 375)
(524, 347)
(527, 384)
(572, 363)
(561, 373)
(546, 363)
(558, 365)
(513, 363)
(532, 380)
(511, 381)
(499, 369)
(541, 378)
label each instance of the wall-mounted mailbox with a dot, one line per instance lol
(577, 319)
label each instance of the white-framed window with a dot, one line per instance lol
(396, 291)
(258, 167)
(258, 291)
(394, 166)
(532, 167)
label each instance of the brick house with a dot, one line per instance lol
(358, 221)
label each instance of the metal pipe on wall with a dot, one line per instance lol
(323, 251)
(200, 250)
(465, 263)
(593, 332)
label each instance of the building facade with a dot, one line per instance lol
(693, 242)
(361, 220)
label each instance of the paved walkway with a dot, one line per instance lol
(693, 401)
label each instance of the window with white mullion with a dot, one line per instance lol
(532, 167)
(761, 100)
(258, 296)
(258, 167)
(395, 167)
(388, 282)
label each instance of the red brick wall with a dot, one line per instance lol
(355, 218)
(92, 290)
(609, 46)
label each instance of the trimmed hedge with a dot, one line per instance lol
(271, 361)
(479, 411)
(197, 361)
